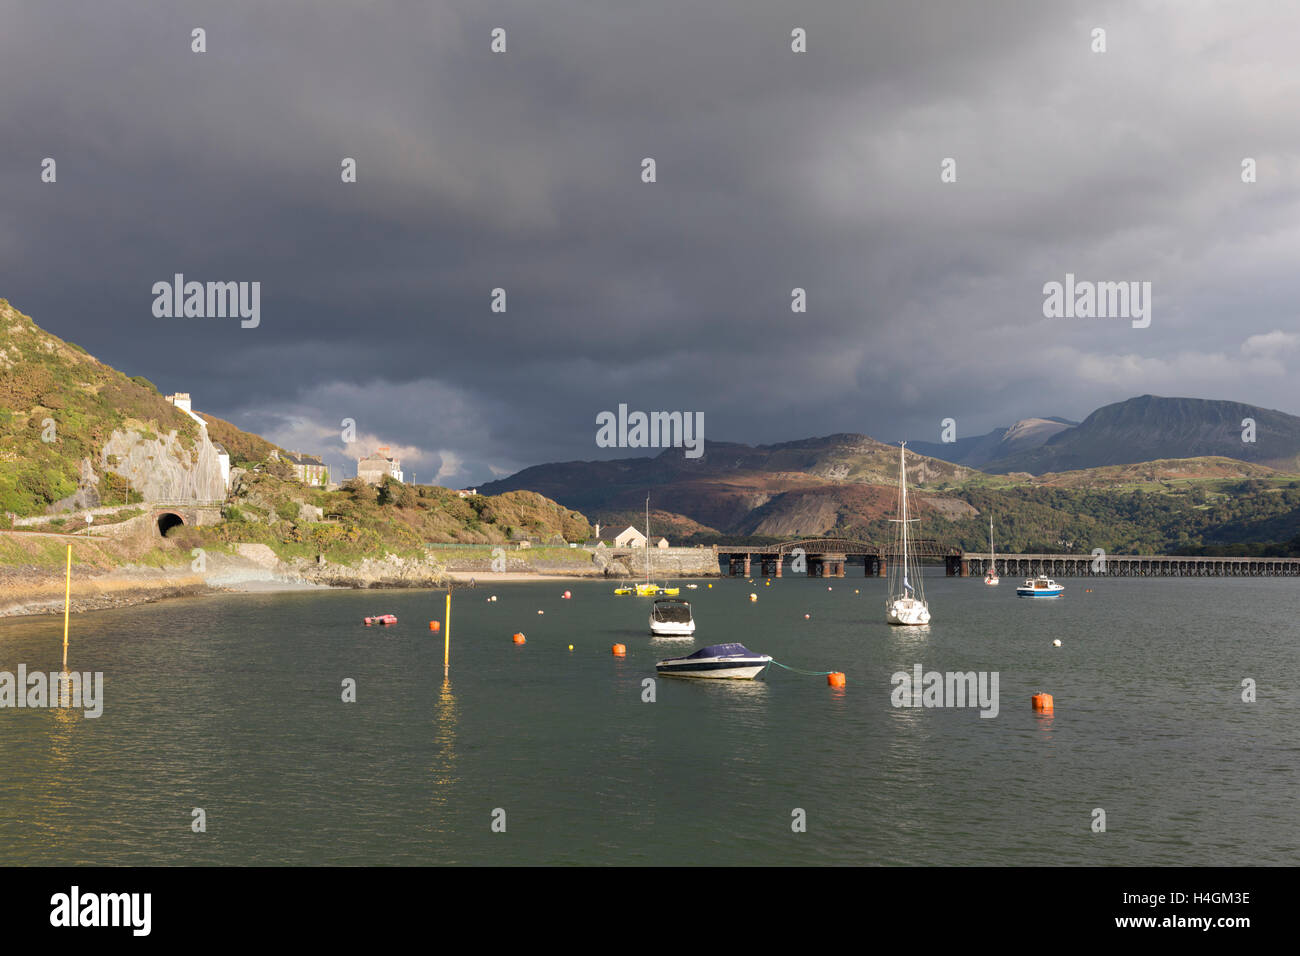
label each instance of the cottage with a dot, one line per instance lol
(629, 537)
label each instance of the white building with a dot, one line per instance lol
(223, 460)
(182, 401)
(629, 538)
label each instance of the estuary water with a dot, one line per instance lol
(234, 704)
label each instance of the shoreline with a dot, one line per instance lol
(40, 594)
(106, 575)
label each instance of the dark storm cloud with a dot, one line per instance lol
(776, 170)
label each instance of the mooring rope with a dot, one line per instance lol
(798, 671)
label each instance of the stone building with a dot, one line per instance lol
(373, 469)
(309, 469)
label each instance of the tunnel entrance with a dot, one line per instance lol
(168, 520)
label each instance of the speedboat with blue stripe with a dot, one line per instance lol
(734, 661)
(1041, 586)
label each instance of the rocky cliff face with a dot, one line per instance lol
(163, 468)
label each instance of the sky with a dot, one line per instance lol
(522, 170)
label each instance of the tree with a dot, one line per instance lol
(360, 491)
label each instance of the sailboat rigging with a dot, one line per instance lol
(906, 604)
(991, 579)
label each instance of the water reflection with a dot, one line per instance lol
(442, 771)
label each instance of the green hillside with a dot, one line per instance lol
(58, 405)
(360, 520)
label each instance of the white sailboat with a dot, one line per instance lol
(648, 589)
(991, 579)
(906, 603)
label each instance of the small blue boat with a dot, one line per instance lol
(1041, 586)
(734, 661)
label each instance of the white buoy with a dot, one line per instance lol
(1056, 643)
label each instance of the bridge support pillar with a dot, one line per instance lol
(965, 568)
(747, 565)
(880, 568)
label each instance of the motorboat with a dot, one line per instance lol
(906, 604)
(1041, 586)
(734, 661)
(381, 619)
(671, 617)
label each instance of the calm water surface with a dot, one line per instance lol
(233, 704)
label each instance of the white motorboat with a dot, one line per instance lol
(906, 604)
(734, 661)
(671, 617)
(991, 579)
(1041, 586)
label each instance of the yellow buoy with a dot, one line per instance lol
(570, 647)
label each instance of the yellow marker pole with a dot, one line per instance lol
(67, 594)
(446, 637)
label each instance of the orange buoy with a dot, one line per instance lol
(807, 617)
(835, 678)
(1043, 703)
(619, 650)
(519, 638)
(435, 626)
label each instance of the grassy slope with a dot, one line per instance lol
(44, 379)
(365, 522)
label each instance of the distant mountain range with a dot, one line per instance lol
(1141, 429)
(847, 481)
(978, 451)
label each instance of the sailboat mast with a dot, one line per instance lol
(647, 539)
(902, 481)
